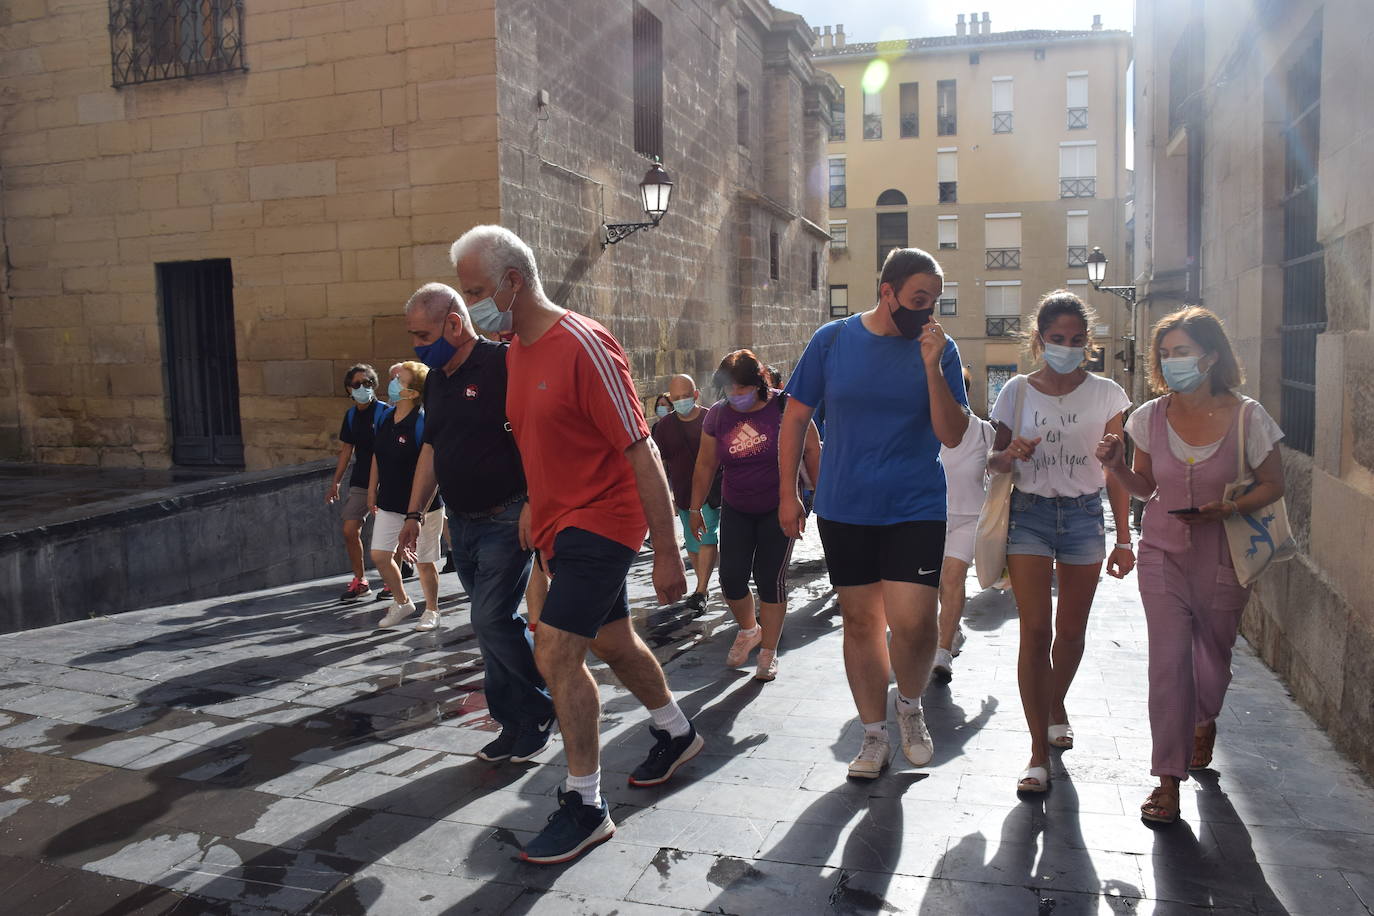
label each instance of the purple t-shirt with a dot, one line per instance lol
(747, 446)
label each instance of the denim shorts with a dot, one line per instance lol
(1069, 529)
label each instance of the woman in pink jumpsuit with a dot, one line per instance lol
(1186, 450)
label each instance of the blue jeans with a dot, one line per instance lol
(1066, 528)
(494, 571)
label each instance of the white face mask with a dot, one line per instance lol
(1063, 360)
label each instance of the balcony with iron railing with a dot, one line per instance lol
(837, 128)
(1078, 255)
(1004, 327)
(949, 192)
(873, 127)
(947, 125)
(1001, 122)
(1004, 259)
(1077, 187)
(911, 125)
(1078, 118)
(151, 41)
(837, 195)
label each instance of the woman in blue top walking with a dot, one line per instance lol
(892, 388)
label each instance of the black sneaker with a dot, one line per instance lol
(407, 570)
(572, 829)
(696, 601)
(667, 755)
(500, 747)
(531, 741)
(384, 593)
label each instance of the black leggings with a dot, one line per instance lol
(753, 542)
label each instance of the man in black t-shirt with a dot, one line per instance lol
(355, 438)
(470, 454)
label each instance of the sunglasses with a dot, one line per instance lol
(363, 383)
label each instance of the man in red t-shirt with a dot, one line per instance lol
(595, 485)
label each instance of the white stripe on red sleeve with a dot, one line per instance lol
(605, 366)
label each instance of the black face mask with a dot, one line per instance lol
(910, 322)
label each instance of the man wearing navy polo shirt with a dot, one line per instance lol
(470, 454)
(893, 391)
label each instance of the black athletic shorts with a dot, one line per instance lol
(864, 554)
(587, 590)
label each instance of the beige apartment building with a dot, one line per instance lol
(1004, 154)
(211, 210)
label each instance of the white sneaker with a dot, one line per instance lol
(916, 743)
(943, 669)
(395, 614)
(872, 757)
(959, 640)
(429, 620)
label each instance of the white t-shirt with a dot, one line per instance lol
(1070, 428)
(1261, 434)
(966, 465)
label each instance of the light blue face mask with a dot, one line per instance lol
(394, 390)
(489, 318)
(1063, 360)
(362, 394)
(661, 411)
(1181, 373)
(684, 406)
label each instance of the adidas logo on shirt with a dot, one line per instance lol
(746, 439)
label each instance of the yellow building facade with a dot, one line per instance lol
(1001, 153)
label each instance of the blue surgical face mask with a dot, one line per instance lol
(1182, 374)
(1063, 359)
(661, 411)
(436, 355)
(393, 391)
(684, 406)
(489, 318)
(743, 402)
(362, 394)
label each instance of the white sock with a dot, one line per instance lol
(909, 701)
(671, 719)
(752, 630)
(589, 787)
(876, 729)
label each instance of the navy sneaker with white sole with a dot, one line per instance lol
(667, 755)
(531, 742)
(572, 830)
(499, 748)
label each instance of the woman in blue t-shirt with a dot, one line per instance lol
(892, 387)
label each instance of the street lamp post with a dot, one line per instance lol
(1097, 272)
(654, 191)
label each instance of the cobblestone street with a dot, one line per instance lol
(273, 752)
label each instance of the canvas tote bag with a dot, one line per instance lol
(1257, 538)
(990, 546)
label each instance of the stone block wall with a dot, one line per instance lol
(681, 295)
(333, 174)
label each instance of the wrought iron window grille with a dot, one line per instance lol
(837, 128)
(873, 127)
(1078, 255)
(947, 125)
(837, 196)
(911, 125)
(1001, 122)
(949, 306)
(1004, 259)
(949, 245)
(1077, 187)
(949, 192)
(153, 40)
(1078, 118)
(1004, 327)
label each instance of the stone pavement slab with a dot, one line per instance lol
(274, 753)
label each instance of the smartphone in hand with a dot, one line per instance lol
(1191, 510)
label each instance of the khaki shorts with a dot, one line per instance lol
(386, 532)
(355, 505)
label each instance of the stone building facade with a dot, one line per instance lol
(241, 216)
(1254, 149)
(1002, 153)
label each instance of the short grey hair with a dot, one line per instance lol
(499, 250)
(435, 300)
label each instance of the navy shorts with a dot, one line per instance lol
(587, 590)
(1069, 529)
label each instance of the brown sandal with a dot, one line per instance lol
(1202, 747)
(1162, 805)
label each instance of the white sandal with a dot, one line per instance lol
(1034, 779)
(1061, 736)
